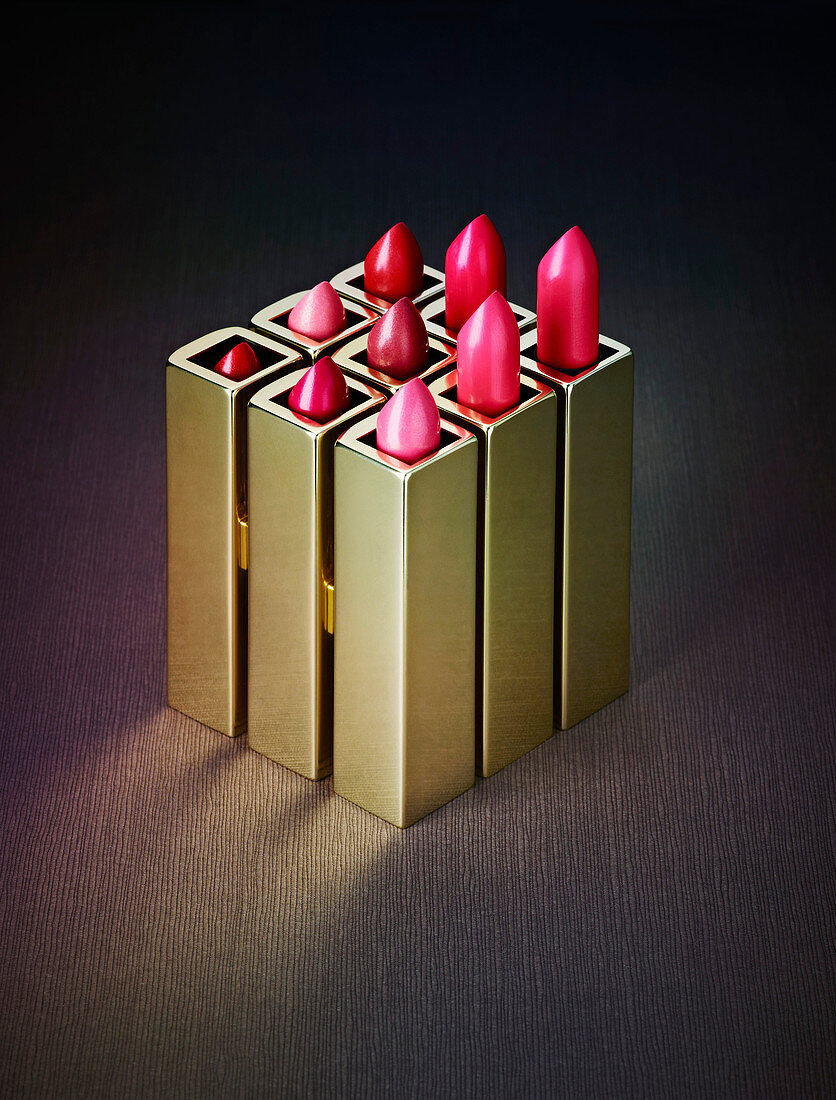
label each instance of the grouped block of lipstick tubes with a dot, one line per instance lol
(399, 520)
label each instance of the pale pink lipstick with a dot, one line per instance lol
(488, 368)
(398, 344)
(319, 315)
(408, 425)
(394, 266)
(321, 393)
(239, 363)
(474, 267)
(567, 303)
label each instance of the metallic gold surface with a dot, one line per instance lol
(271, 322)
(405, 580)
(515, 650)
(291, 591)
(433, 314)
(207, 526)
(352, 358)
(349, 284)
(592, 564)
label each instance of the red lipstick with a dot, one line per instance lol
(567, 303)
(321, 393)
(398, 343)
(394, 266)
(489, 358)
(319, 315)
(408, 425)
(474, 268)
(239, 363)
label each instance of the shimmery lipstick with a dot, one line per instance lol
(393, 268)
(395, 349)
(315, 321)
(404, 665)
(516, 428)
(208, 384)
(474, 268)
(293, 425)
(592, 378)
(408, 425)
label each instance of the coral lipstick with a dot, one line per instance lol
(408, 425)
(567, 303)
(474, 268)
(488, 363)
(398, 343)
(394, 266)
(239, 363)
(321, 393)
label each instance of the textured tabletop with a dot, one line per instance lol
(641, 907)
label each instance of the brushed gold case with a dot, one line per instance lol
(272, 321)
(433, 314)
(352, 358)
(206, 448)
(405, 644)
(592, 563)
(291, 576)
(350, 284)
(515, 605)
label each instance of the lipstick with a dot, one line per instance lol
(404, 665)
(208, 384)
(514, 421)
(395, 349)
(592, 378)
(393, 268)
(293, 424)
(315, 321)
(474, 268)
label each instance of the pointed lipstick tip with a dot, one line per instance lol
(398, 343)
(321, 394)
(474, 267)
(319, 315)
(488, 359)
(567, 303)
(408, 425)
(394, 265)
(239, 363)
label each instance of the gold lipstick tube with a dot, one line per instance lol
(515, 605)
(272, 321)
(353, 359)
(206, 463)
(404, 666)
(592, 561)
(433, 314)
(350, 284)
(290, 707)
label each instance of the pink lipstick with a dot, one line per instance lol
(315, 321)
(567, 303)
(408, 425)
(293, 425)
(515, 424)
(208, 384)
(488, 358)
(393, 268)
(404, 576)
(321, 393)
(474, 268)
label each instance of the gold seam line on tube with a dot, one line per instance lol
(206, 518)
(592, 561)
(433, 314)
(404, 669)
(291, 475)
(272, 321)
(350, 284)
(515, 654)
(352, 358)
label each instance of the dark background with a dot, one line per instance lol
(641, 907)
